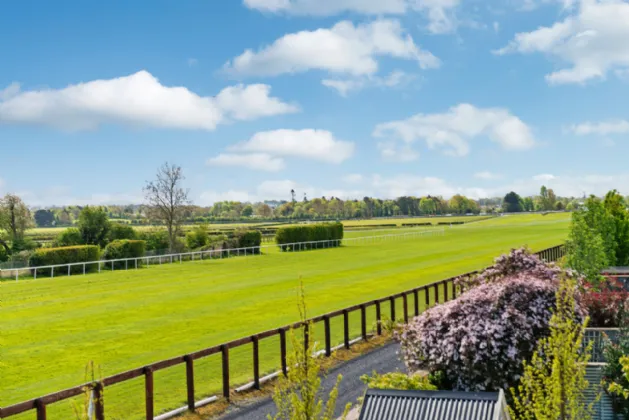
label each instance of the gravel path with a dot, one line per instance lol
(383, 359)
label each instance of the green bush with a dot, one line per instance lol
(69, 237)
(250, 239)
(3, 254)
(121, 231)
(65, 255)
(197, 238)
(399, 380)
(324, 234)
(124, 248)
(156, 240)
(417, 224)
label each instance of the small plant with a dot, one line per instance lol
(613, 370)
(83, 409)
(553, 385)
(398, 380)
(297, 395)
(620, 389)
(605, 303)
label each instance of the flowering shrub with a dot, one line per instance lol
(517, 261)
(479, 340)
(605, 303)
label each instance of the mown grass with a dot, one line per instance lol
(51, 328)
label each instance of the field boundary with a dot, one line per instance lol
(442, 291)
(138, 262)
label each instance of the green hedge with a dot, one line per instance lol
(250, 239)
(417, 224)
(450, 223)
(124, 248)
(65, 255)
(332, 233)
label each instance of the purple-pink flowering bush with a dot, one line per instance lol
(479, 340)
(517, 261)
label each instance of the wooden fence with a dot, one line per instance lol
(437, 292)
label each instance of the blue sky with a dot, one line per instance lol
(346, 98)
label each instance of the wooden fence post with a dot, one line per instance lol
(148, 392)
(363, 322)
(445, 291)
(225, 357)
(392, 301)
(326, 325)
(346, 329)
(378, 318)
(283, 350)
(436, 289)
(427, 297)
(416, 301)
(256, 362)
(41, 409)
(190, 381)
(405, 306)
(99, 404)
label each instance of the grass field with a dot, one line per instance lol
(51, 328)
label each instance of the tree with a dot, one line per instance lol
(548, 199)
(585, 251)
(553, 386)
(427, 205)
(15, 218)
(94, 226)
(298, 395)
(247, 211)
(264, 210)
(528, 204)
(167, 200)
(512, 203)
(44, 218)
(615, 205)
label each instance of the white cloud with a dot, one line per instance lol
(392, 152)
(544, 177)
(592, 40)
(342, 49)
(602, 128)
(312, 144)
(10, 91)
(454, 129)
(486, 175)
(344, 87)
(349, 179)
(136, 100)
(255, 161)
(207, 198)
(62, 196)
(496, 27)
(440, 14)
(192, 62)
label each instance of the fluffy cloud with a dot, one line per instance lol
(454, 129)
(342, 49)
(392, 152)
(602, 128)
(544, 177)
(344, 87)
(439, 13)
(312, 144)
(353, 178)
(486, 175)
(592, 40)
(255, 161)
(137, 100)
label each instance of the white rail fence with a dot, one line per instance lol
(137, 262)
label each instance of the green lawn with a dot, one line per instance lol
(51, 328)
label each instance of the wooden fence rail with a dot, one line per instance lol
(446, 289)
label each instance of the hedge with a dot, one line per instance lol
(450, 223)
(65, 255)
(417, 224)
(332, 233)
(124, 248)
(250, 239)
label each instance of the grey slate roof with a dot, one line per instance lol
(433, 405)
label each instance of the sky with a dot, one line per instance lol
(345, 98)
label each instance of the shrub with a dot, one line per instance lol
(124, 248)
(332, 233)
(250, 239)
(398, 380)
(480, 340)
(3, 254)
(613, 370)
(65, 255)
(605, 303)
(156, 240)
(121, 231)
(197, 238)
(69, 237)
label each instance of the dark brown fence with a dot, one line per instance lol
(433, 293)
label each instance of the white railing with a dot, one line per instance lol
(136, 262)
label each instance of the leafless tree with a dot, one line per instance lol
(15, 218)
(167, 200)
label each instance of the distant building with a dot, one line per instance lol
(433, 405)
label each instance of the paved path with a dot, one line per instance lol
(383, 359)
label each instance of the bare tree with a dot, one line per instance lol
(15, 218)
(167, 200)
